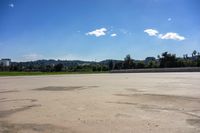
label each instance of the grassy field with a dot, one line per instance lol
(42, 73)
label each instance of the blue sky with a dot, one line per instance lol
(97, 29)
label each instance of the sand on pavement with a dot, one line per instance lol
(101, 103)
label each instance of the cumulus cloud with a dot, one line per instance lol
(172, 36)
(166, 36)
(98, 32)
(11, 5)
(113, 35)
(151, 32)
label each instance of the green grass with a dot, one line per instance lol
(42, 73)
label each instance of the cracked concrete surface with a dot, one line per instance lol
(96, 103)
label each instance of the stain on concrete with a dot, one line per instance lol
(15, 100)
(6, 127)
(9, 91)
(133, 90)
(122, 115)
(64, 88)
(5, 113)
(147, 107)
(194, 122)
(159, 97)
(2, 99)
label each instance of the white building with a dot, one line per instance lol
(5, 62)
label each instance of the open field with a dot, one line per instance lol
(101, 103)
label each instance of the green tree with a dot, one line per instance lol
(152, 64)
(168, 60)
(118, 65)
(128, 62)
(140, 65)
(58, 67)
(194, 53)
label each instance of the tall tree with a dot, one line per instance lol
(168, 60)
(128, 62)
(194, 53)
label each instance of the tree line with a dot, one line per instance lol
(59, 67)
(165, 60)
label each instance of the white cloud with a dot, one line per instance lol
(168, 35)
(169, 19)
(172, 36)
(32, 57)
(11, 5)
(113, 35)
(151, 32)
(98, 32)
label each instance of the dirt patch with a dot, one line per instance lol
(6, 127)
(64, 88)
(10, 91)
(5, 113)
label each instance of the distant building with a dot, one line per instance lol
(5, 62)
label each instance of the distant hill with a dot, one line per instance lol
(55, 62)
(67, 63)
